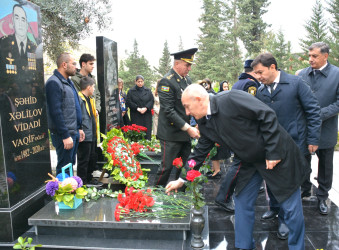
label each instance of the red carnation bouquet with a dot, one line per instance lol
(133, 199)
(134, 133)
(194, 179)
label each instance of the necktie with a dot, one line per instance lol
(208, 117)
(22, 53)
(271, 87)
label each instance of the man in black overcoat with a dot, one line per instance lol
(251, 130)
(174, 131)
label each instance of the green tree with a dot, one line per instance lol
(252, 28)
(65, 23)
(333, 9)
(233, 55)
(210, 62)
(316, 28)
(136, 65)
(165, 63)
(281, 49)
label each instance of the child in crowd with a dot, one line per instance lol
(86, 154)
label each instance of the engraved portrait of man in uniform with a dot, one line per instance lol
(18, 42)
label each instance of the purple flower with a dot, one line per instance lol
(51, 187)
(78, 179)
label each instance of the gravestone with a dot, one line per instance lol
(107, 72)
(24, 143)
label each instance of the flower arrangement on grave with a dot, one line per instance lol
(121, 160)
(65, 190)
(151, 203)
(194, 179)
(152, 145)
(134, 133)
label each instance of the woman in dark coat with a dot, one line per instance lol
(140, 100)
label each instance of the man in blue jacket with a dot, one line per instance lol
(63, 111)
(298, 112)
(323, 78)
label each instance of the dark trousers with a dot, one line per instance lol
(65, 156)
(325, 172)
(306, 186)
(245, 216)
(228, 184)
(171, 150)
(87, 159)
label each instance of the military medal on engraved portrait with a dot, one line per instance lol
(10, 68)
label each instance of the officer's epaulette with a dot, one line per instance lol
(170, 76)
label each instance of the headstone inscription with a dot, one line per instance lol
(24, 144)
(107, 70)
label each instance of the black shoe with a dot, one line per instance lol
(261, 189)
(217, 176)
(283, 231)
(269, 215)
(228, 206)
(322, 206)
(306, 194)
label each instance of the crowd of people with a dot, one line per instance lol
(270, 121)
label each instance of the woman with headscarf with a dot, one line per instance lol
(140, 100)
(224, 85)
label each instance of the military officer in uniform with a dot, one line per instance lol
(247, 81)
(18, 58)
(174, 131)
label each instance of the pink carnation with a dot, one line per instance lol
(191, 163)
(71, 181)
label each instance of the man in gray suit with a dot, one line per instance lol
(323, 79)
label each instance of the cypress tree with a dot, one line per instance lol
(333, 9)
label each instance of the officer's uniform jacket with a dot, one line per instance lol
(172, 115)
(12, 63)
(247, 83)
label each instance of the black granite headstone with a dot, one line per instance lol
(107, 70)
(24, 144)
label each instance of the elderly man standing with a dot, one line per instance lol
(64, 112)
(323, 79)
(174, 130)
(266, 150)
